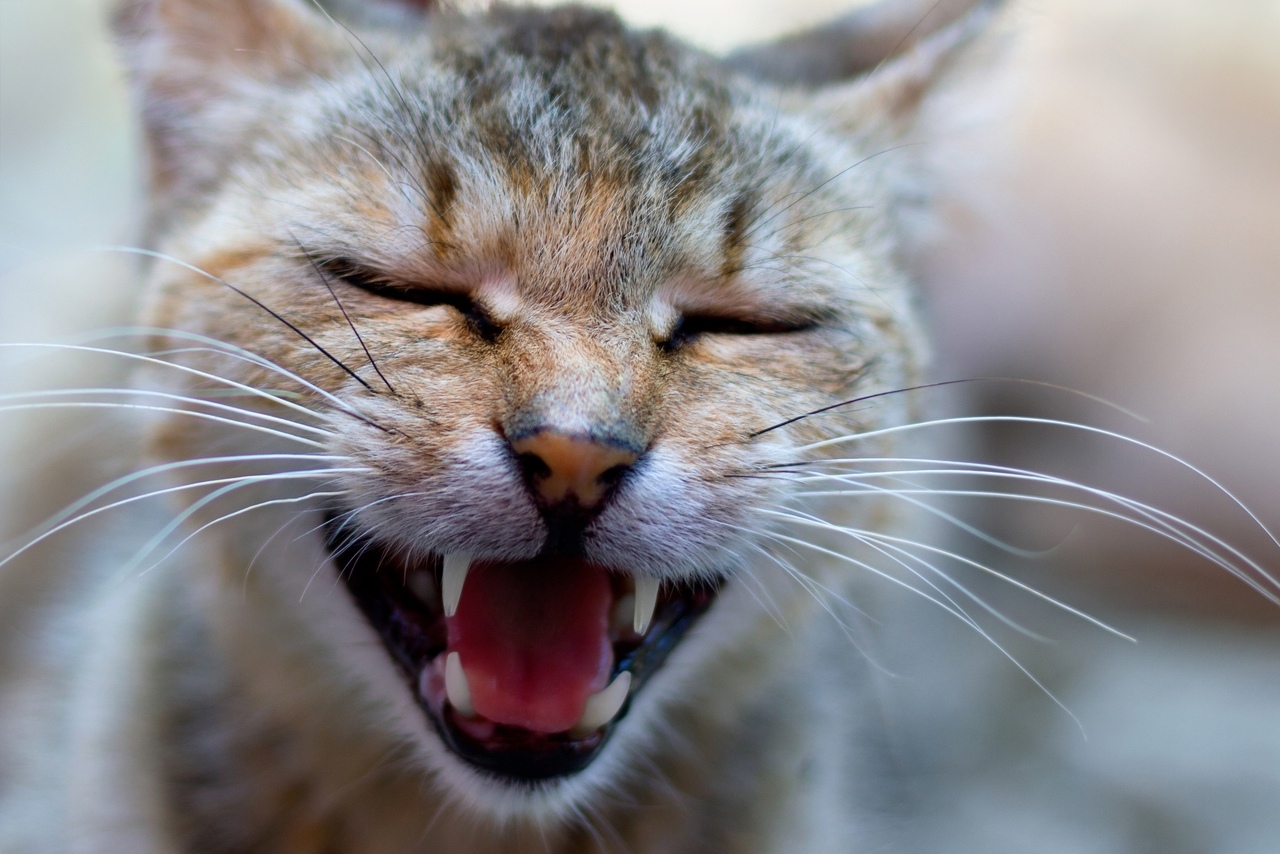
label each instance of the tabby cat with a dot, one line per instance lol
(508, 375)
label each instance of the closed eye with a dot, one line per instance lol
(378, 284)
(691, 327)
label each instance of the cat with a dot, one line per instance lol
(515, 377)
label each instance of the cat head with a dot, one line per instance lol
(543, 303)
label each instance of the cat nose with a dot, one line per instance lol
(562, 467)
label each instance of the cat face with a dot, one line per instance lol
(551, 293)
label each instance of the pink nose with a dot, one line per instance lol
(565, 466)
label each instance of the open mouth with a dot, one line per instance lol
(525, 667)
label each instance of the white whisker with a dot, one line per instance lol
(350, 514)
(151, 360)
(345, 518)
(862, 535)
(958, 613)
(162, 468)
(820, 592)
(252, 507)
(1048, 422)
(142, 407)
(180, 398)
(156, 493)
(901, 557)
(228, 349)
(239, 483)
(1163, 524)
(248, 570)
(873, 570)
(161, 256)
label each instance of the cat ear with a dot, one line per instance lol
(202, 71)
(389, 13)
(871, 69)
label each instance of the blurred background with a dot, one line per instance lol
(1109, 222)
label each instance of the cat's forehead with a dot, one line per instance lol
(566, 94)
(562, 148)
(519, 67)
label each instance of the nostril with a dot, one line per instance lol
(610, 477)
(533, 466)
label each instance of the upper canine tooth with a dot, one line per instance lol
(646, 602)
(455, 573)
(603, 707)
(456, 686)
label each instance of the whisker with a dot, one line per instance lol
(862, 535)
(1166, 522)
(943, 384)
(141, 407)
(216, 345)
(770, 607)
(1050, 422)
(180, 398)
(816, 589)
(151, 360)
(395, 88)
(341, 407)
(900, 553)
(133, 499)
(386, 170)
(248, 570)
(873, 570)
(329, 287)
(349, 562)
(350, 534)
(1162, 523)
(150, 253)
(252, 507)
(900, 557)
(800, 197)
(238, 483)
(162, 468)
(867, 489)
(956, 612)
(343, 518)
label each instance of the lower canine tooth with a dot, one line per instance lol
(456, 687)
(603, 707)
(455, 573)
(646, 601)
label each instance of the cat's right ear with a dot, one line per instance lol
(871, 69)
(203, 71)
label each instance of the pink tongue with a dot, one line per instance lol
(534, 640)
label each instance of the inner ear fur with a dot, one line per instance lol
(851, 45)
(871, 68)
(202, 69)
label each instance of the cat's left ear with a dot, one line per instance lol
(871, 69)
(204, 71)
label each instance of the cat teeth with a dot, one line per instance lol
(455, 573)
(646, 602)
(456, 687)
(604, 706)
